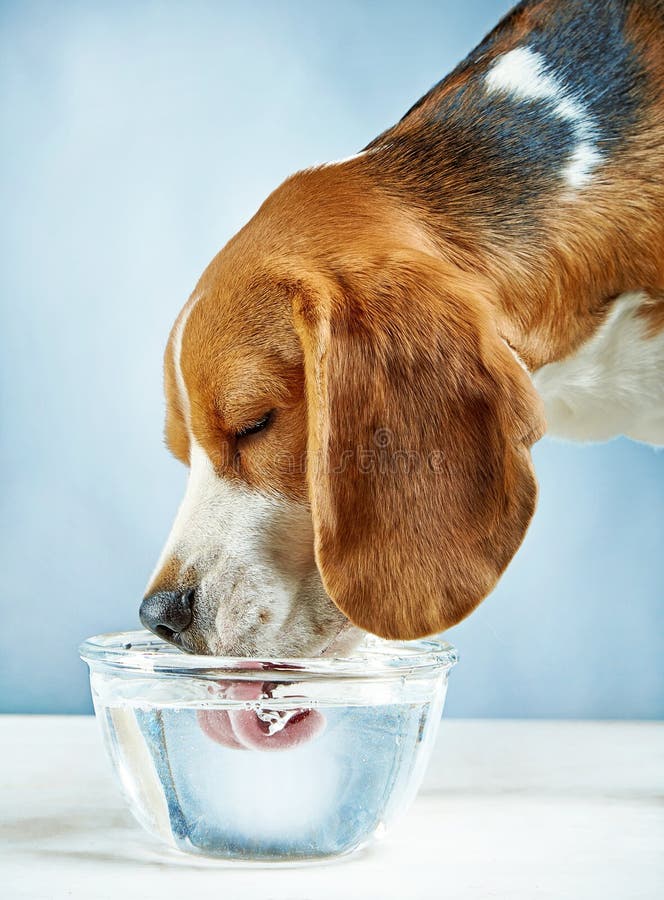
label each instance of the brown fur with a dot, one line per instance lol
(652, 312)
(420, 424)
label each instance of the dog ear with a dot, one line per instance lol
(420, 424)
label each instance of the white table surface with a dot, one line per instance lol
(508, 810)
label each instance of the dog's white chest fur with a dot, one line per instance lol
(612, 385)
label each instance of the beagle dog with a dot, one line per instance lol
(358, 377)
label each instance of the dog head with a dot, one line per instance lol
(357, 435)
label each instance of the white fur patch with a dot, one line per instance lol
(612, 385)
(523, 74)
(211, 506)
(178, 334)
(338, 162)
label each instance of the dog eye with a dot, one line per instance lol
(254, 427)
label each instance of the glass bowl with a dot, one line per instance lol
(279, 760)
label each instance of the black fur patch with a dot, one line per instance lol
(499, 147)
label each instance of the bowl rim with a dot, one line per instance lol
(141, 651)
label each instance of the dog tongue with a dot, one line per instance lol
(263, 730)
(216, 724)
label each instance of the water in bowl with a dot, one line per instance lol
(321, 798)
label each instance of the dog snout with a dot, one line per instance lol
(167, 613)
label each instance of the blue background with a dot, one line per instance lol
(137, 137)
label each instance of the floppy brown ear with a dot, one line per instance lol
(420, 424)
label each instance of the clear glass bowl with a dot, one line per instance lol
(193, 740)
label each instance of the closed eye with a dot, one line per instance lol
(256, 426)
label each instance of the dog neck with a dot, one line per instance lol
(523, 167)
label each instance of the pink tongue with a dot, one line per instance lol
(245, 730)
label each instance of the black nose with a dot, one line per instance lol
(167, 613)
